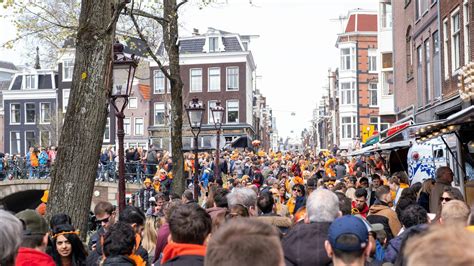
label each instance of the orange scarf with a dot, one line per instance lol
(173, 250)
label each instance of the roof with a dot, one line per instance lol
(7, 65)
(195, 43)
(4, 84)
(361, 21)
(145, 91)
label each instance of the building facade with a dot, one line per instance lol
(215, 66)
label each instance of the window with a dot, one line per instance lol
(30, 113)
(374, 121)
(373, 94)
(44, 138)
(427, 71)
(422, 6)
(455, 41)
(30, 140)
(436, 66)
(214, 79)
(211, 104)
(15, 113)
(45, 113)
(107, 130)
(232, 78)
(159, 82)
(467, 37)
(387, 82)
(372, 60)
(386, 18)
(409, 54)
(213, 44)
(348, 93)
(132, 103)
(419, 78)
(445, 48)
(65, 99)
(68, 69)
(233, 111)
(139, 126)
(127, 126)
(196, 80)
(30, 82)
(348, 59)
(15, 142)
(387, 62)
(159, 114)
(348, 127)
(384, 126)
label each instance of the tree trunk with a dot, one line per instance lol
(170, 37)
(72, 180)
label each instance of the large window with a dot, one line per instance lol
(68, 69)
(455, 41)
(436, 66)
(372, 60)
(422, 6)
(196, 80)
(159, 114)
(374, 121)
(159, 82)
(15, 113)
(387, 61)
(233, 111)
(211, 104)
(348, 59)
(409, 54)
(419, 72)
(65, 99)
(45, 139)
(386, 18)
(232, 78)
(348, 93)
(107, 131)
(15, 142)
(30, 82)
(214, 79)
(467, 37)
(127, 126)
(445, 48)
(139, 126)
(348, 127)
(45, 113)
(213, 44)
(427, 71)
(387, 82)
(30, 140)
(373, 94)
(30, 112)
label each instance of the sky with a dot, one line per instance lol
(295, 47)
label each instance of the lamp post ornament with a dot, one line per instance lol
(195, 111)
(217, 114)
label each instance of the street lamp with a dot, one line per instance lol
(217, 114)
(195, 112)
(123, 73)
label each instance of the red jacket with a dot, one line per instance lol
(33, 257)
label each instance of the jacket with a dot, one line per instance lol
(176, 254)
(381, 213)
(119, 261)
(33, 257)
(161, 240)
(436, 193)
(393, 250)
(304, 245)
(282, 223)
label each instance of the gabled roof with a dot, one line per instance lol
(195, 44)
(361, 21)
(7, 65)
(192, 46)
(145, 91)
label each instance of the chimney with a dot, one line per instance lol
(37, 61)
(195, 32)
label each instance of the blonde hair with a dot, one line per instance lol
(149, 234)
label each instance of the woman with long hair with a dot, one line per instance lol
(149, 237)
(67, 247)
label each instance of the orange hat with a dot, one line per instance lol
(147, 180)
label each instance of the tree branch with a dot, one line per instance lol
(144, 14)
(180, 4)
(47, 20)
(116, 16)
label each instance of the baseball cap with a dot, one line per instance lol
(348, 225)
(33, 223)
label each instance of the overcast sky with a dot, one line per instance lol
(293, 53)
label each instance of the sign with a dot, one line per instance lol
(391, 131)
(367, 132)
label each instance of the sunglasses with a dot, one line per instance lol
(445, 199)
(105, 220)
(297, 190)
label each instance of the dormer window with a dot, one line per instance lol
(30, 82)
(213, 44)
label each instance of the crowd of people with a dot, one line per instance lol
(262, 209)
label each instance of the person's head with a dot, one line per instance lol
(455, 212)
(149, 234)
(311, 185)
(35, 230)
(265, 202)
(454, 246)
(383, 194)
(427, 186)
(394, 183)
(60, 218)
(248, 241)
(67, 244)
(243, 196)
(188, 196)
(363, 182)
(220, 198)
(189, 224)
(134, 217)
(105, 214)
(147, 183)
(11, 233)
(119, 240)
(348, 241)
(361, 198)
(345, 203)
(376, 181)
(450, 193)
(444, 173)
(298, 190)
(414, 215)
(322, 206)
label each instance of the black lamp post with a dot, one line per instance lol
(217, 114)
(123, 74)
(195, 112)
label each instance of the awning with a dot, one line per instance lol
(394, 145)
(365, 150)
(463, 116)
(241, 142)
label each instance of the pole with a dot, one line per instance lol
(196, 169)
(216, 162)
(121, 186)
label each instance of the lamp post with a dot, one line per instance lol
(123, 73)
(217, 113)
(195, 111)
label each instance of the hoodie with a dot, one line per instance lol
(33, 257)
(380, 212)
(183, 254)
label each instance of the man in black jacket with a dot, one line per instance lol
(304, 243)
